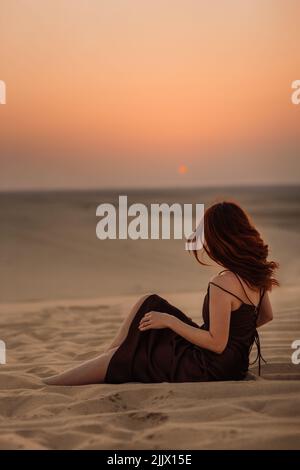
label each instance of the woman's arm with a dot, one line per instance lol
(202, 338)
(215, 339)
(265, 312)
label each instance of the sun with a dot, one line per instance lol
(182, 169)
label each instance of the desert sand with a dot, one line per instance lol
(44, 339)
(63, 295)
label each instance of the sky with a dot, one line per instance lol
(148, 93)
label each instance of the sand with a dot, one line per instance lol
(63, 296)
(260, 413)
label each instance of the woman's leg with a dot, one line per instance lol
(90, 372)
(123, 331)
(94, 370)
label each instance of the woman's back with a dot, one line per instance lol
(239, 290)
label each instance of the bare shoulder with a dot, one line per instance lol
(221, 295)
(227, 283)
(226, 279)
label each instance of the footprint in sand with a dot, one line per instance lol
(144, 418)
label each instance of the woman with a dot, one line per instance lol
(159, 343)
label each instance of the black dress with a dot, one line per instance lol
(161, 355)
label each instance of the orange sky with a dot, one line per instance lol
(126, 92)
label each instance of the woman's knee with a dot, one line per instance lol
(146, 297)
(149, 298)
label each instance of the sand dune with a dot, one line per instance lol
(63, 294)
(43, 339)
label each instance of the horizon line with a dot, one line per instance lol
(149, 189)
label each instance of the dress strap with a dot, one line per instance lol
(228, 292)
(238, 278)
(259, 356)
(262, 293)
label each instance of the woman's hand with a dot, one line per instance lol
(154, 320)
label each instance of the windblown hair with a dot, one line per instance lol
(232, 241)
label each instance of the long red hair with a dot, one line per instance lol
(232, 241)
